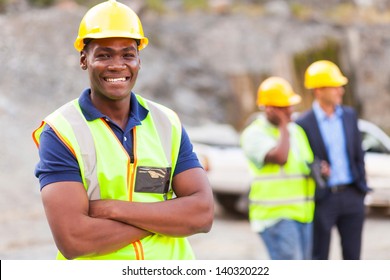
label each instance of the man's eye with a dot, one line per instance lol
(103, 55)
(129, 55)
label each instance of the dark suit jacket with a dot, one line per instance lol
(309, 123)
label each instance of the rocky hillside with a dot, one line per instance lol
(204, 64)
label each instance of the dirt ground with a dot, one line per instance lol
(232, 239)
(26, 235)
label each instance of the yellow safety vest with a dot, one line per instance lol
(283, 192)
(108, 173)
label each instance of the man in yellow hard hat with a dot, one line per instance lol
(118, 176)
(334, 137)
(281, 202)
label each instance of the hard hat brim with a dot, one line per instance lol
(79, 42)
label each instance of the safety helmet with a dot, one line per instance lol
(110, 19)
(276, 91)
(324, 73)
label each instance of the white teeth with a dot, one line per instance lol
(113, 80)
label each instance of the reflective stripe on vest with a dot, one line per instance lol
(284, 191)
(277, 178)
(108, 173)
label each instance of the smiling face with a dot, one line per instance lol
(113, 65)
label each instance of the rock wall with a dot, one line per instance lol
(207, 66)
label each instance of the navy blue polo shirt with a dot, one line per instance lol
(58, 164)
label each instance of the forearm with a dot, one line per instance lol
(190, 213)
(92, 236)
(279, 154)
(177, 217)
(75, 232)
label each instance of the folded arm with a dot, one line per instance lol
(190, 213)
(75, 232)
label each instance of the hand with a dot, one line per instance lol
(325, 169)
(279, 116)
(100, 209)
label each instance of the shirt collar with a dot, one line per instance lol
(137, 112)
(321, 115)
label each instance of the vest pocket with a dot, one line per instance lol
(152, 179)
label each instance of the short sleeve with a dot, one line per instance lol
(56, 163)
(256, 144)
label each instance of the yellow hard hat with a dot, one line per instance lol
(276, 91)
(110, 19)
(324, 73)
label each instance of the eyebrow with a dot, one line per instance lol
(109, 49)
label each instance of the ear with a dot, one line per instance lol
(83, 60)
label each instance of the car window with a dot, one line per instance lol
(371, 144)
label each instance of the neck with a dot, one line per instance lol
(120, 119)
(117, 110)
(329, 109)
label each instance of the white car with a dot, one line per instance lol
(217, 146)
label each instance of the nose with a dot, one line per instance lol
(117, 64)
(117, 67)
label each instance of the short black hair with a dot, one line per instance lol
(86, 41)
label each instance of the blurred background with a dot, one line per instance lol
(205, 59)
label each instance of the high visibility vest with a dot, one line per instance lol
(108, 172)
(283, 192)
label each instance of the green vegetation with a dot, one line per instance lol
(3, 5)
(345, 12)
(300, 11)
(41, 3)
(86, 3)
(190, 5)
(156, 5)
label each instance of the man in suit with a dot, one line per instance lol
(334, 137)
